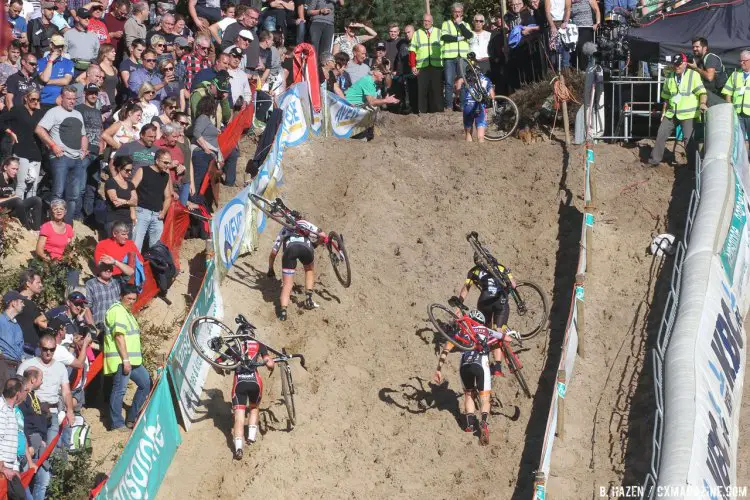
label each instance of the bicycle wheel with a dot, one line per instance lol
(287, 392)
(502, 118)
(515, 369)
(212, 340)
(446, 322)
(339, 259)
(532, 309)
(272, 212)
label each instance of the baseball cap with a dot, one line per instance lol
(236, 52)
(181, 41)
(78, 298)
(55, 324)
(10, 296)
(48, 5)
(57, 41)
(380, 46)
(83, 13)
(91, 88)
(246, 34)
(679, 58)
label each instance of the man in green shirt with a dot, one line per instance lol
(364, 91)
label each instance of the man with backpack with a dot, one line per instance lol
(711, 69)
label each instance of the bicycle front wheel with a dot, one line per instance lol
(531, 308)
(445, 322)
(272, 212)
(287, 392)
(339, 259)
(502, 118)
(515, 369)
(215, 342)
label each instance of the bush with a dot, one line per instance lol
(152, 340)
(72, 478)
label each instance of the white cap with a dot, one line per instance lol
(246, 34)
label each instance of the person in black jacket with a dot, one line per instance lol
(19, 124)
(40, 30)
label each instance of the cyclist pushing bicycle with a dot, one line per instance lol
(298, 244)
(475, 376)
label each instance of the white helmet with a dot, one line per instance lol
(477, 316)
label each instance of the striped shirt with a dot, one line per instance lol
(101, 296)
(8, 435)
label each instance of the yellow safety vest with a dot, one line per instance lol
(119, 321)
(683, 98)
(427, 48)
(452, 50)
(739, 88)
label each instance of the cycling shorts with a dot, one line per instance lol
(495, 308)
(475, 115)
(476, 376)
(247, 391)
(296, 251)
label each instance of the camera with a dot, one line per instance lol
(612, 46)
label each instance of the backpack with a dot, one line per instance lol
(721, 77)
(162, 265)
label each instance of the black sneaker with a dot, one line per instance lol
(238, 454)
(282, 315)
(310, 303)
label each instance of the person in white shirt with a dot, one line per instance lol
(12, 392)
(238, 78)
(480, 42)
(62, 353)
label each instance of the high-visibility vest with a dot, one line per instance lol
(119, 321)
(427, 48)
(739, 88)
(452, 50)
(683, 98)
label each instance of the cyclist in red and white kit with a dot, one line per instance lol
(297, 244)
(247, 390)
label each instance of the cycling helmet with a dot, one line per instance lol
(477, 316)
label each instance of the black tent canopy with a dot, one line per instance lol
(726, 26)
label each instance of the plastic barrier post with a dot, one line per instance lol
(566, 121)
(580, 281)
(561, 379)
(540, 485)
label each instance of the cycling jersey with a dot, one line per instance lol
(486, 282)
(248, 386)
(288, 237)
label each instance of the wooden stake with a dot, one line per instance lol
(561, 378)
(580, 282)
(427, 6)
(566, 122)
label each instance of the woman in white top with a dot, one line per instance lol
(345, 43)
(126, 128)
(480, 42)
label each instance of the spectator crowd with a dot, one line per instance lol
(110, 114)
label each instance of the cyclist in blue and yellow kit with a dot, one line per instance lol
(475, 113)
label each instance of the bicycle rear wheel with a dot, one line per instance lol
(515, 369)
(272, 212)
(532, 309)
(446, 322)
(502, 119)
(214, 342)
(287, 392)
(339, 259)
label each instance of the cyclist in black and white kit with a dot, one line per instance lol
(492, 301)
(297, 244)
(475, 378)
(247, 390)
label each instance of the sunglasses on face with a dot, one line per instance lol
(149, 92)
(47, 349)
(479, 20)
(33, 99)
(149, 60)
(169, 69)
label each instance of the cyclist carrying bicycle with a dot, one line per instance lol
(492, 301)
(475, 113)
(475, 378)
(247, 390)
(297, 244)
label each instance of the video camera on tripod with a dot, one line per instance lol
(611, 45)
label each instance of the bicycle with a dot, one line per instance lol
(276, 210)
(222, 348)
(464, 334)
(531, 303)
(502, 112)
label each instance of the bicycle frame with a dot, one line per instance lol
(491, 267)
(467, 326)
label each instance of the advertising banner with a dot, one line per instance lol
(228, 230)
(346, 120)
(148, 452)
(186, 369)
(720, 371)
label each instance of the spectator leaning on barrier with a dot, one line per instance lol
(426, 62)
(737, 91)
(123, 359)
(684, 98)
(11, 336)
(455, 34)
(711, 69)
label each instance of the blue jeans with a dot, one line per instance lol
(301, 33)
(452, 68)
(142, 380)
(184, 193)
(42, 476)
(147, 221)
(230, 167)
(68, 179)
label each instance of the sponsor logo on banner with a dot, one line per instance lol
(231, 229)
(148, 452)
(188, 370)
(344, 117)
(731, 248)
(293, 126)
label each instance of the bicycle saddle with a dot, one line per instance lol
(241, 320)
